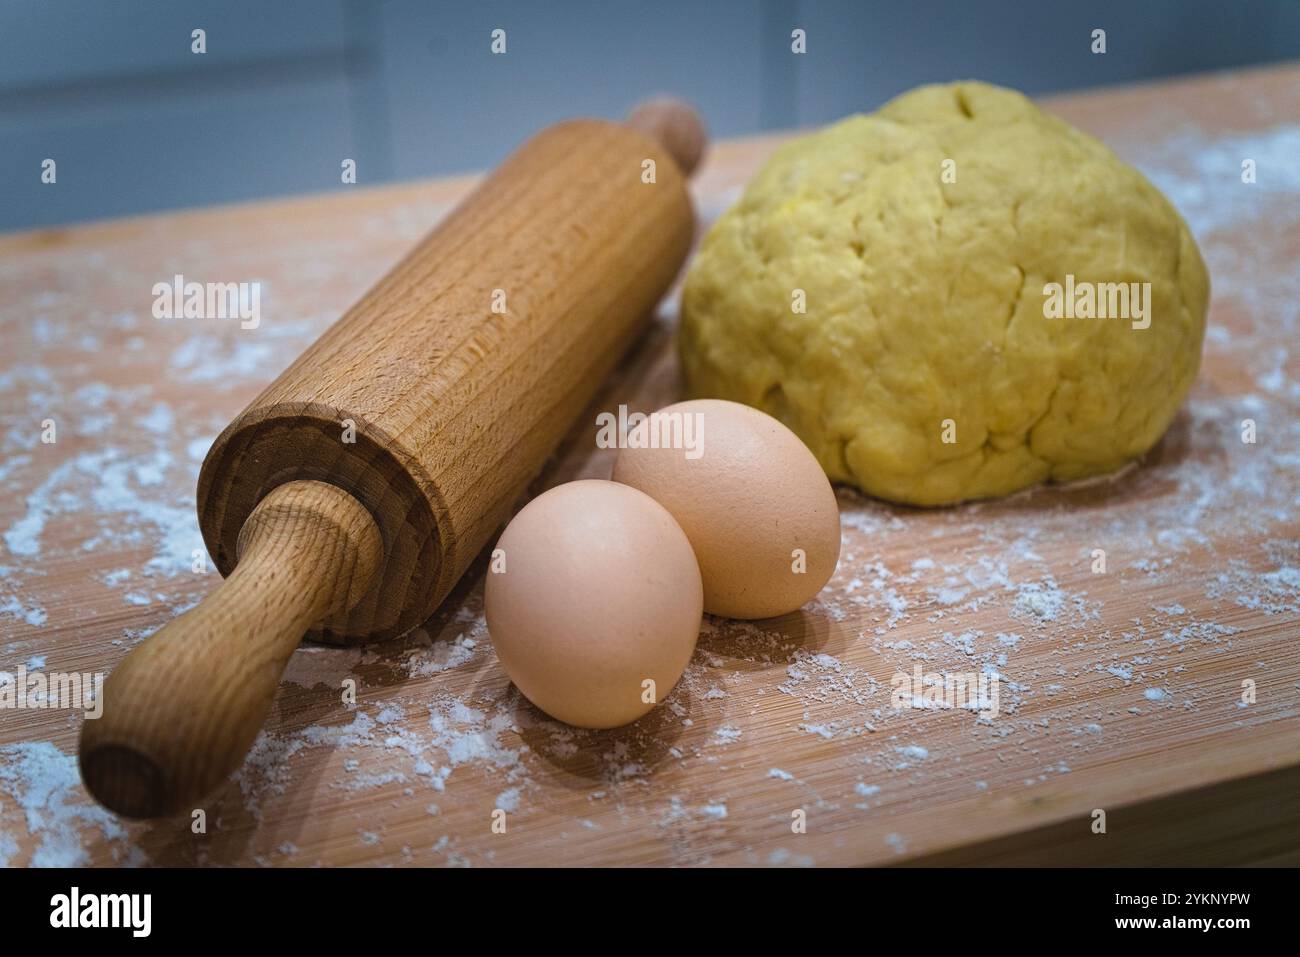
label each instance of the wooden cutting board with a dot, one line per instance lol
(1120, 691)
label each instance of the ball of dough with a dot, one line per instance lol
(592, 591)
(921, 240)
(751, 498)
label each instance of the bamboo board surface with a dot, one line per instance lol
(1120, 691)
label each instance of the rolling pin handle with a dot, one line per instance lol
(181, 711)
(674, 126)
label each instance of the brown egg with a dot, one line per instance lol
(750, 496)
(594, 603)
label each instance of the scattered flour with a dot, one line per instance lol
(45, 784)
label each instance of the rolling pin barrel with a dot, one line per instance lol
(349, 497)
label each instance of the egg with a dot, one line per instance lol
(594, 602)
(753, 500)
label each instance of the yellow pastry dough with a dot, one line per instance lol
(920, 242)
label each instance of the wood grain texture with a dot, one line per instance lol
(427, 409)
(181, 711)
(462, 369)
(782, 715)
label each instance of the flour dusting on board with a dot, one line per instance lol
(1102, 610)
(45, 785)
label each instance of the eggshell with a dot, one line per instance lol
(751, 502)
(594, 590)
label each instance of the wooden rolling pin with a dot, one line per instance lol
(346, 501)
